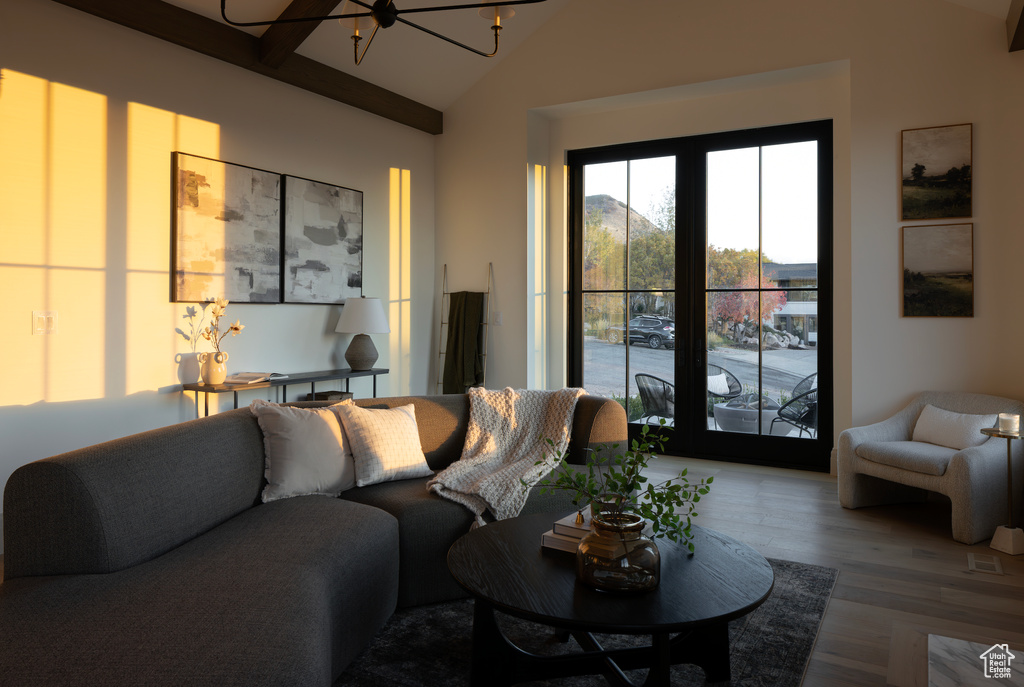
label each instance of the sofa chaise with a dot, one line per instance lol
(151, 560)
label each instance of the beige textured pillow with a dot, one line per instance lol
(718, 384)
(952, 430)
(304, 451)
(385, 443)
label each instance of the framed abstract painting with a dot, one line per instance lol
(226, 232)
(323, 242)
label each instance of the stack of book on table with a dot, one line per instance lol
(566, 532)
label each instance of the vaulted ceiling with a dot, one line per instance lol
(407, 76)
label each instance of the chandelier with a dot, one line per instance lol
(382, 14)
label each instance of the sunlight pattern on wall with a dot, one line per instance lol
(63, 248)
(537, 301)
(150, 343)
(400, 280)
(53, 249)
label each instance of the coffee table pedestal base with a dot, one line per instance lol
(496, 661)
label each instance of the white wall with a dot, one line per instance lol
(89, 114)
(912, 63)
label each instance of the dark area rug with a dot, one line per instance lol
(430, 646)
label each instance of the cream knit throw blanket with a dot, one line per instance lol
(505, 439)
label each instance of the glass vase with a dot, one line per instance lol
(617, 557)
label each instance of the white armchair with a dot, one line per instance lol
(880, 464)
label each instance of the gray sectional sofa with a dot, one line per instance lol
(150, 560)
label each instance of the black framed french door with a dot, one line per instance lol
(701, 289)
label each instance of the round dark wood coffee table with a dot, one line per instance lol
(505, 568)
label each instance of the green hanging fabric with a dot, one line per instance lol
(463, 360)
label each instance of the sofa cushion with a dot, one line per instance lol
(916, 456)
(385, 444)
(427, 527)
(305, 453)
(953, 430)
(287, 593)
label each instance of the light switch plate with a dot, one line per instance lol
(44, 322)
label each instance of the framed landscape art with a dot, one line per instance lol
(323, 242)
(226, 232)
(936, 176)
(938, 270)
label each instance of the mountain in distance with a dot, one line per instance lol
(614, 217)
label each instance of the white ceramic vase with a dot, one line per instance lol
(214, 367)
(188, 367)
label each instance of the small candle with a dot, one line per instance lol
(1008, 422)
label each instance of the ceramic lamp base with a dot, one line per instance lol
(361, 353)
(1008, 540)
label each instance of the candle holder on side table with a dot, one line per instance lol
(1008, 539)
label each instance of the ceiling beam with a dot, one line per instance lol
(231, 45)
(1015, 25)
(281, 40)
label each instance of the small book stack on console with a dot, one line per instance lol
(566, 533)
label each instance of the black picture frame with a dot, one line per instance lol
(322, 254)
(226, 231)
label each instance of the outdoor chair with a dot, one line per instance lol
(801, 411)
(658, 396)
(722, 385)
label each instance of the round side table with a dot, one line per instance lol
(1008, 539)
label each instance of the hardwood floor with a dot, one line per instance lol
(902, 576)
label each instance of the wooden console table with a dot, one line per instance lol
(310, 378)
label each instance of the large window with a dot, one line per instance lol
(628, 276)
(701, 289)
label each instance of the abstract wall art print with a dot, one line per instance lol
(938, 271)
(227, 232)
(323, 242)
(936, 172)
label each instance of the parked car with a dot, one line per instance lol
(653, 331)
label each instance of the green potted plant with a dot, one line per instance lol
(617, 555)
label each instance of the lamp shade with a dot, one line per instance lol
(362, 316)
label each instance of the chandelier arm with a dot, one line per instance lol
(435, 34)
(355, 51)
(473, 6)
(294, 20)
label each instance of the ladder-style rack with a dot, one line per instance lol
(446, 313)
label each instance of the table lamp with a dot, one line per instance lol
(362, 316)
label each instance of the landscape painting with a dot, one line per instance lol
(227, 232)
(938, 271)
(936, 172)
(323, 242)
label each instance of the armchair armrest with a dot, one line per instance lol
(899, 427)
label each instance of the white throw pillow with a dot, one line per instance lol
(718, 384)
(952, 430)
(304, 451)
(385, 443)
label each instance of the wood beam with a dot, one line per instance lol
(231, 45)
(1015, 25)
(281, 40)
